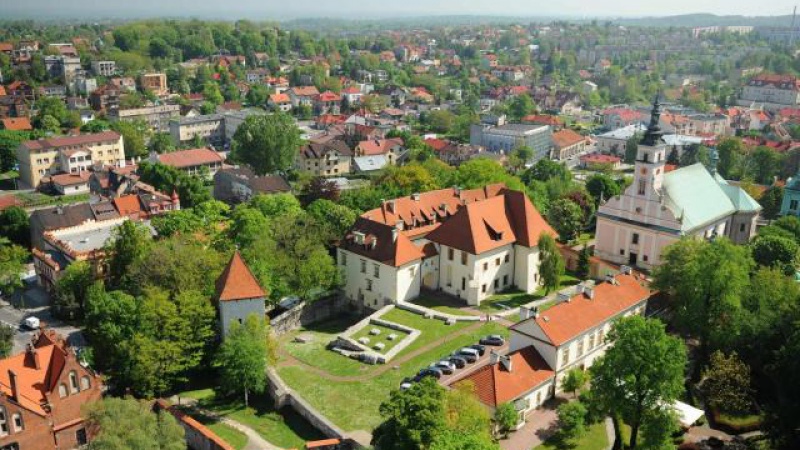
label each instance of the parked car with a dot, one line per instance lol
(458, 361)
(493, 340)
(480, 348)
(406, 383)
(430, 372)
(471, 357)
(31, 323)
(446, 367)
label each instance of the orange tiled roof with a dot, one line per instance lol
(566, 320)
(189, 158)
(305, 91)
(495, 384)
(566, 138)
(17, 124)
(128, 205)
(70, 179)
(378, 146)
(2, 91)
(237, 282)
(31, 382)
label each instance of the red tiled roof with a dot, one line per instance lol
(279, 99)
(567, 320)
(305, 91)
(566, 138)
(83, 139)
(599, 158)
(495, 384)
(351, 90)
(17, 124)
(189, 158)
(329, 96)
(2, 91)
(30, 380)
(542, 119)
(625, 114)
(6, 47)
(237, 282)
(378, 146)
(437, 144)
(70, 179)
(7, 201)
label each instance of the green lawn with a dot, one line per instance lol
(284, 428)
(39, 199)
(316, 354)
(232, 436)
(515, 299)
(383, 337)
(354, 405)
(594, 439)
(438, 304)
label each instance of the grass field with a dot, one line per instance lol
(439, 304)
(38, 199)
(383, 337)
(284, 428)
(354, 405)
(515, 299)
(594, 439)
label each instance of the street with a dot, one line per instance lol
(35, 301)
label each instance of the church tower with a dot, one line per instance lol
(651, 157)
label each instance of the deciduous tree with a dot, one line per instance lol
(566, 217)
(726, 383)
(268, 143)
(552, 266)
(572, 420)
(242, 358)
(128, 424)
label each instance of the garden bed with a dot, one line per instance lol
(736, 424)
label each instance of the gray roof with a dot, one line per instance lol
(698, 199)
(63, 217)
(370, 163)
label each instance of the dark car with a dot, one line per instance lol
(458, 361)
(469, 357)
(480, 348)
(430, 372)
(493, 340)
(406, 383)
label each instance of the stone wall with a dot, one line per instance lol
(285, 396)
(308, 313)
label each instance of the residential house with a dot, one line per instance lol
(469, 244)
(155, 83)
(791, 197)
(104, 68)
(105, 98)
(280, 102)
(210, 127)
(239, 184)
(352, 96)
(303, 96)
(239, 294)
(16, 124)
(616, 118)
(68, 154)
(567, 144)
(69, 183)
(614, 142)
(157, 117)
(327, 103)
(660, 208)
(328, 159)
(545, 345)
(44, 390)
(392, 149)
(507, 137)
(196, 161)
(599, 161)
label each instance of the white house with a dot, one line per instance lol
(238, 294)
(470, 244)
(544, 346)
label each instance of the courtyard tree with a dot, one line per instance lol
(14, 224)
(412, 418)
(572, 420)
(602, 187)
(777, 252)
(726, 383)
(129, 244)
(12, 265)
(267, 143)
(505, 417)
(7, 334)
(552, 266)
(574, 380)
(242, 358)
(566, 217)
(640, 373)
(71, 288)
(128, 424)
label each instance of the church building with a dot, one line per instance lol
(661, 207)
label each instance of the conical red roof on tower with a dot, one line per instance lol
(237, 282)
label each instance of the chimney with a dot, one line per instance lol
(525, 313)
(457, 191)
(390, 206)
(506, 362)
(494, 358)
(12, 377)
(579, 288)
(562, 297)
(589, 291)
(626, 270)
(35, 356)
(415, 196)
(610, 279)
(395, 232)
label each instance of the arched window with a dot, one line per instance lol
(3, 422)
(85, 383)
(62, 390)
(17, 417)
(73, 382)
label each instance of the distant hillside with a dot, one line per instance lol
(705, 20)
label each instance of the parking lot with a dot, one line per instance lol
(460, 374)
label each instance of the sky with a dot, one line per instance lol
(359, 9)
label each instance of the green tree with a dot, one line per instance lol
(276, 205)
(161, 143)
(631, 148)
(268, 143)
(134, 135)
(763, 164)
(521, 106)
(552, 265)
(584, 262)
(128, 424)
(212, 94)
(453, 440)
(412, 418)
(129, 244)
(776, 251)
(335, 218)
(730, 152)
(771, 201)
(574, 380)
(50, 124)
(9, 141)
(71, 288)
(7, 334)
(242, 358)
(602, 187)
(14, 224)
(405, 180)
(572, 420)
(12, 265)
(726, 383)
(705, 281)
(566, 217)
(166, 179)
(506, 417)
(640, 373)
(546, 170)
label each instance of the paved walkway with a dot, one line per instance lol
(254, 440)
(540, 425)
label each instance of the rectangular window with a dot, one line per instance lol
(793, 205)
(496, 284)
(483, 288)
(565, 356)
(741, 228)
(591, 341)
(497, 262)
(464, 258)
(485, 266)
(505, 280)
(376, 270)
(642, 186)
(363, 266)
(344, 258)
(369, 285)
(622, 251)
(507, 257)
(601, 335)
(450, 254)
(463, 284)
(635, 239)
(580, 348)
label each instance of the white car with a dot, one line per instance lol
(31, 323)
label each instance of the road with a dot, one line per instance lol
(34, 302)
